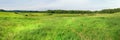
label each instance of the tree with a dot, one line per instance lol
(2, 10)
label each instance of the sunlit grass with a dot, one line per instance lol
(59, 27)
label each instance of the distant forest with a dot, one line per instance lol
(115, 10)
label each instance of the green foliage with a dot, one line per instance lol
(69, 11)
(110, 10)
(2, 10)
(115, 10)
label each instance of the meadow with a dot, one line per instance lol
(42, 26)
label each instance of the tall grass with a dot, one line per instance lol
(55, 27)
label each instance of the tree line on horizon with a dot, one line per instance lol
(66, 11)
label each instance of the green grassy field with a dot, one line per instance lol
(36, 26)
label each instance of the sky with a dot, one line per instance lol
(58, 4)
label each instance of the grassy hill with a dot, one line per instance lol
(42, 26)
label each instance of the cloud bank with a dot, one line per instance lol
(59, 4)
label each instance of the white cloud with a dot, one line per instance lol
(82, 4)
(65, 4)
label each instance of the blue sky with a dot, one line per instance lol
(58, 4)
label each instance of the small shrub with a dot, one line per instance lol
(26, 15)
